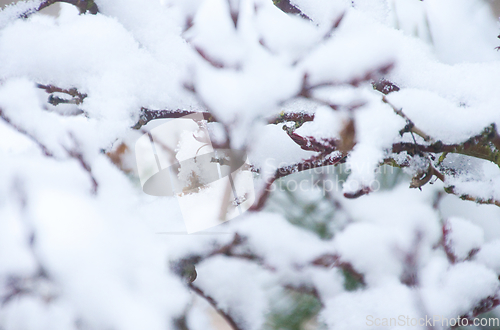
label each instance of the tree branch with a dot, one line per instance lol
(313, 162)
(148, 115)
(288, 8)
(82, 5)
(334, 260)
(484, 146)
(7, 120)
(467, 197)
(410, 126)
(50, 89)
(229, 319)
(77, 154)
(298, 117)
(484, 306)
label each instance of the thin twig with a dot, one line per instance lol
(50, 89)
(229, 319)
(313, 162)
(289, 8)
(82, 5)
(451, 190)
(148, 115)
(485, 305)
(335, 261)
(7, 120)
(77, 154)
(410, 127)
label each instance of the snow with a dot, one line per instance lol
(460, 126)
(103, 255)
(242, 276)
(488, 255)
(464, 237)
(360, 308)
(344, 57)
(459, 289)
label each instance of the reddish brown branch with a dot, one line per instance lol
(313, 162)
(82, 5)
(298, 117)
(50, 89)
(76, 154)
(7, 120)
(467, 197)
(310, 143)
(287, 7)
(334, 260)
(148, 115)
(229, 319)
(485, 305)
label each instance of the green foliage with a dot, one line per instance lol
(292, 311)
(312, 205)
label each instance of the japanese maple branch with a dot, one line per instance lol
(485, 146)
(54, 100)
(468, 197)
(229, 319)
(313, 162)
(82, 5)
(73, 153)
(485, 305)
(25, 9)
(289, 8)
(7, 120)
(335, 261)
(148, 115)
(410, 126)
(76, 154)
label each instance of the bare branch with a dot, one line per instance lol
(148, 115)
(229, 319)
(485, 146)
(313, 162)
(288, 8)
(468, 197)
(7, 120)
(410, 127)
(298, 117)
(82, 5)
(77, 154)
(50, 89)
(485, 305)
(335, 261)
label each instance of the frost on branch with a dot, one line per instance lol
(341, 106)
